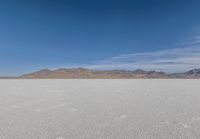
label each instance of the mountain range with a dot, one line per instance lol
(82, 73)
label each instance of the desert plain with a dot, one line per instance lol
(100, 109)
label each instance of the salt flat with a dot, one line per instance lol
(100, 109)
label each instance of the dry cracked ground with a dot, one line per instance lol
(100, 109)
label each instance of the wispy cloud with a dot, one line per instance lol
(194, 40)
(186, 56)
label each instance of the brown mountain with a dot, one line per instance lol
(74, 73)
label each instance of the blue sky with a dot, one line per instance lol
(100, 34)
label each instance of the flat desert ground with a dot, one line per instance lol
(100, 109)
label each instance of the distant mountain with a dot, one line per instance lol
(82, 73)
(194, 73)
(88, 73)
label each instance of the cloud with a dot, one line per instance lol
(185, 57)
(194, 40)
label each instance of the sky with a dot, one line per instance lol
(161, 35)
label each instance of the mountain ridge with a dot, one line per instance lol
(83, 73)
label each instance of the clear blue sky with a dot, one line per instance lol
(38, 34)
